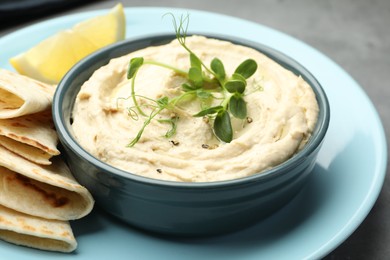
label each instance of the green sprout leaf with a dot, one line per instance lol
(202, 94)
(235, 86)
(209, 111)
(223, 127)
(195, 75)
(247, 68)
(195, 62)
(237, 106)
(173, 122)
(163, 102)
(237, 76)
(217, 66)
(135, 64)
(187, 87)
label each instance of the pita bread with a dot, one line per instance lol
(20, 95)
(32, 137)
(44, 191)
(26, 151)
(30, 231)
(38, 193)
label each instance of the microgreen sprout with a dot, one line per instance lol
(201, 82)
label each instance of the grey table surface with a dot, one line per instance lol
(353, 33)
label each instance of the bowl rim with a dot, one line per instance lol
(284, 60)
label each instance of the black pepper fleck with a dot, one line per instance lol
(174, 142)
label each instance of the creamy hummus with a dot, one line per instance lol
(282, 111)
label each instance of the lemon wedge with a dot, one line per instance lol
(49, 60)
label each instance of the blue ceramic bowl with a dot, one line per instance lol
(186, 209)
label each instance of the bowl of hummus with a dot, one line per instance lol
(171, 150)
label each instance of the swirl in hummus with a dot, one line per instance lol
(282, 113)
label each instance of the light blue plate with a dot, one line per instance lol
(347, 179)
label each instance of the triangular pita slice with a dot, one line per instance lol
(28, 152)
(35, 232)
(45, 191)
(20, 95)
(32, 137)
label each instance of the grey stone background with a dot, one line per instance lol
(353, 33)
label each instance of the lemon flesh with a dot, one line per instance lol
(50, 59)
